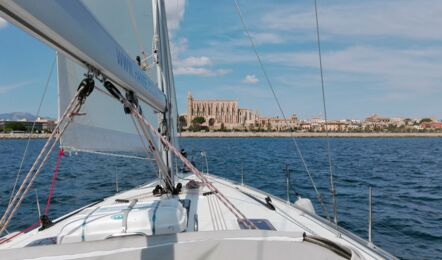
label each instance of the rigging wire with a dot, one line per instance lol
(112, 154)
(54, 178)
(147, 129)
(146, 133)
(71, 110)
(270, 85)
(138, 132)
(146, 149)
(32, 130)
(330, 168)
(229, 205)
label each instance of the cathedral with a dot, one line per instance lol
(218, 113)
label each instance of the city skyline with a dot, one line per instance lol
(390, 70)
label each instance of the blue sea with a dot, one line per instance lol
(405, 174)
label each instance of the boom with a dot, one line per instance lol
(69, 27)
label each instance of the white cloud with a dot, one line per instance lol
(195, 62)
(411, 70)
(266, 38)
(3, 23)
(8, 88)
(199, 71)
(192, 65)
(250, 79)
(406, 19)
(175, 14)
(197, 66)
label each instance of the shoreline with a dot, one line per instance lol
(20, 136)
(304, 135)
(23, 136)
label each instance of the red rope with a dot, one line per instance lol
(51, 192)
(48, 203)
(21, 232)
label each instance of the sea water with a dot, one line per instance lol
(404, 173)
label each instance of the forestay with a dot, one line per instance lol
(104, 125)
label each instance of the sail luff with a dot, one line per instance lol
(74, 31)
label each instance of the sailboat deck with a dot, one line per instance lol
(205, 214)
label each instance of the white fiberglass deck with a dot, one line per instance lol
(206, 229)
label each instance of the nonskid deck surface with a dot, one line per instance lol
(204, 213)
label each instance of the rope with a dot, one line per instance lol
(212, 213)
(160, 163)
(71, 110)
(143, 122)
(235, 211)
(29, 185)
(145, 146)
(21, 232)
(32, 130)
(332, 185)
(136, 128)
(147, 135)
(270, 85)
(51, 191)
(220, 215)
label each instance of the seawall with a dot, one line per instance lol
(24, 136)
(303, 135)
(263, 135)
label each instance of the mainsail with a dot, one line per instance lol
(87, 35)
(73, 30)
(100, 42)
(104, 125)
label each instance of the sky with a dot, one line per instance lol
(382, 57)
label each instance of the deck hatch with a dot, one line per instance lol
(43, 242)
(261, 224)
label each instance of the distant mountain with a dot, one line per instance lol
(16, 116)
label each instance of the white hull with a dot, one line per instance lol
(210, 231)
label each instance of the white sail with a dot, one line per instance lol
(73, 30)
(104, 125)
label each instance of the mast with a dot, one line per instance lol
(163, 60)
(75, 32)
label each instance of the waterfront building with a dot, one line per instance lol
(19, 126)
(431, 125)
(220, 113)
(378, 119)
(335, 126)
(279, 124)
